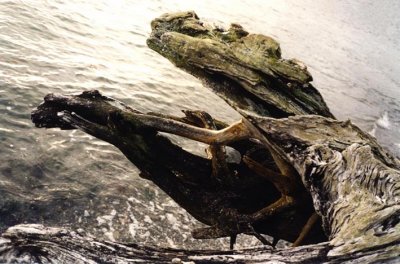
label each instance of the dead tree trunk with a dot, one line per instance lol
(353, 181)
(38, 244)
(323, 165)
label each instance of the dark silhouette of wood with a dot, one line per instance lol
(186, 178)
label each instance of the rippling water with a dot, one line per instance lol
(69, 178)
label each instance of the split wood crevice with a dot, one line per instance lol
(302, 176)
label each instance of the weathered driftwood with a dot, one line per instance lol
(39, 244)
(327, 166)
(353, 181)
(186, 178)
(246, 70)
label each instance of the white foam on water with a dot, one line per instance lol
(108, 220)
(383, 121)
(147, 219)
(171, 242)
(132, 227)
(173, 221)
(145, 235)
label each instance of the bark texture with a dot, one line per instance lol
(327, 166)
(39, 244)
(186, 178)
(246, 70)
(354, 183)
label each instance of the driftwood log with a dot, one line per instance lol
(296, 162)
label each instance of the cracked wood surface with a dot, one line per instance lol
(185, 177)
(352, 183)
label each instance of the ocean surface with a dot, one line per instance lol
(67, 178)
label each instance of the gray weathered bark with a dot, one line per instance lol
(353, 181)
(302, 159)
(39, 244)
